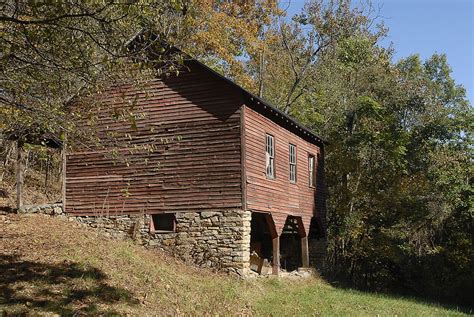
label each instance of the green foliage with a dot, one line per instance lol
(53, 52)
(399, 160)
(399, 164)
(399, 169)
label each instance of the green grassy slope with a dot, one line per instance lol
(51, 266)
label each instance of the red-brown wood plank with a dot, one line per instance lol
(278, 196)
(199, 171)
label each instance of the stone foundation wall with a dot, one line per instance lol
(219, 240)
(47, 209)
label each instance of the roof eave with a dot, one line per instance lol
(253, 97)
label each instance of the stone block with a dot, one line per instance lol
(57, 210)
(209, 214)
(218, 239)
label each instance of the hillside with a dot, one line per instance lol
(34, 190)
(52, 266)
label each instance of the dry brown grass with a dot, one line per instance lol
(51, 266)
(34, 191)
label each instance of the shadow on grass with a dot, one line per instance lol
(65, 288)
(405, 296)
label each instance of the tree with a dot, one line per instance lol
(52, 52)
(294, 48)
(398, 163)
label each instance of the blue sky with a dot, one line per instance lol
(426, 27)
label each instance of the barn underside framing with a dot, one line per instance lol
(284, 248)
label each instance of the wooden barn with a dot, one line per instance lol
(210, 172)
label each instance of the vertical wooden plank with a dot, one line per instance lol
(304, 223)
(243, 158)
(63, 176)
(19, 174)
(276, 256)
(304, 251)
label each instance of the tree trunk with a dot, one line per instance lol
(261, 73)
(5, 162)
(46, 176)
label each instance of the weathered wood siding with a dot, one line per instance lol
(193, 123)
(279, 196)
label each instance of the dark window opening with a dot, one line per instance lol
(163, 223)
(290, 245)
(261, 247)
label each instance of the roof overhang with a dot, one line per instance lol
(273, 112)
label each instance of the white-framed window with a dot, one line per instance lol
(270, 155)
(292, 161)
(312, 170)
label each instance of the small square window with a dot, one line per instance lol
(163, 223)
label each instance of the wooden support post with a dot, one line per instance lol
(304, 251)
(19, 175)
(276, 256)
(303, 231)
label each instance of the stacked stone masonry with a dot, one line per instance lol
(219, 240)
(47, 209)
